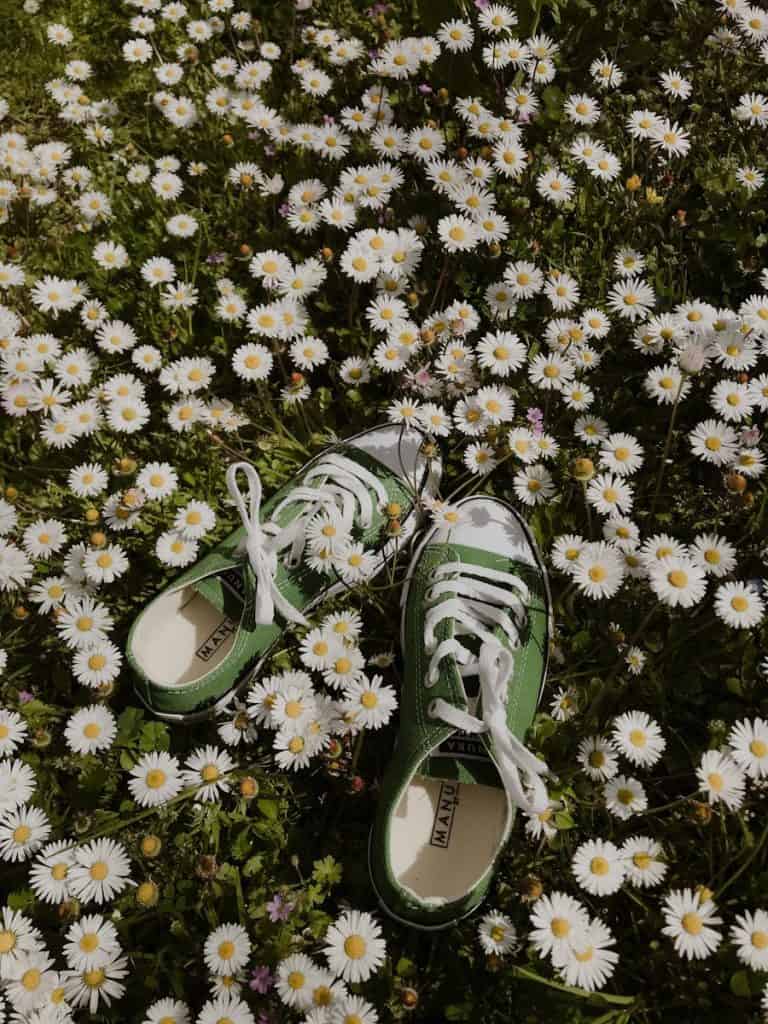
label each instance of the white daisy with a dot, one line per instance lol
(690, 921)
(354, 946)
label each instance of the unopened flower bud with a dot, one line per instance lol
(582, 469)
(692, 358)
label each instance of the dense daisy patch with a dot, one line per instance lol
(238, 231)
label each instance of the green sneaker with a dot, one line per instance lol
(475, 638)
(193, 647)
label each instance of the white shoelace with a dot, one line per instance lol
(480, 603)
(343, 486)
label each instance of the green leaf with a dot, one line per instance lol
(405, 968)
(740, 985)
(155, 736)
(327, 871)
(128, 725)
(268, 808)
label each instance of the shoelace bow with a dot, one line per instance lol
(342, 486)
(478, 603)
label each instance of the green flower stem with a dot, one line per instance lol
(740, 871)
(356, 752)
(595, 997)
(668, 442)
(125, 823)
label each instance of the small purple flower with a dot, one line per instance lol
(425, 90)
(481, 4)
(750, 437)
(536, 418)
(278, 908)
(269, 150)
(25, 696)
(261, 980)
(284, 210)
(328, 120)
(216, 257)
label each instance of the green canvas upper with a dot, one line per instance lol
(422, 739)
(223, 574)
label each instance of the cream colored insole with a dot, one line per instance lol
(182, 638)
(444, 835)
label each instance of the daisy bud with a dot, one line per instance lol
(409, 998)
(680, 215)
(531, 889)
(147, 894)
(704, 893)
(494, 249)
(326, 253)
(69, 910)
(633, 183)
(41, 738)
(334, 750)
(150, 845)
(582, 469)
(747, 499)
(462, 153)
(249, 787)
(126, 466)
(736, 483)
(227, 139)
(427, 336)
(11, 493)
(245, 249)
(743, 378)
(207, 866)
(20, 612)
(413, 299)
(692, 359)
(98, 539)
(91, 515)
(700, 812)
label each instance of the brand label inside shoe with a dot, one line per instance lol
(442, 826)
(464, 744)
(233, 581)
(213, 642)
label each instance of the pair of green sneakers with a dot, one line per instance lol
(475, 637)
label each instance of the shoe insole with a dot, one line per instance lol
(184, 638)
(444, 836)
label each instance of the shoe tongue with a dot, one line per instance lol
(227, 590)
